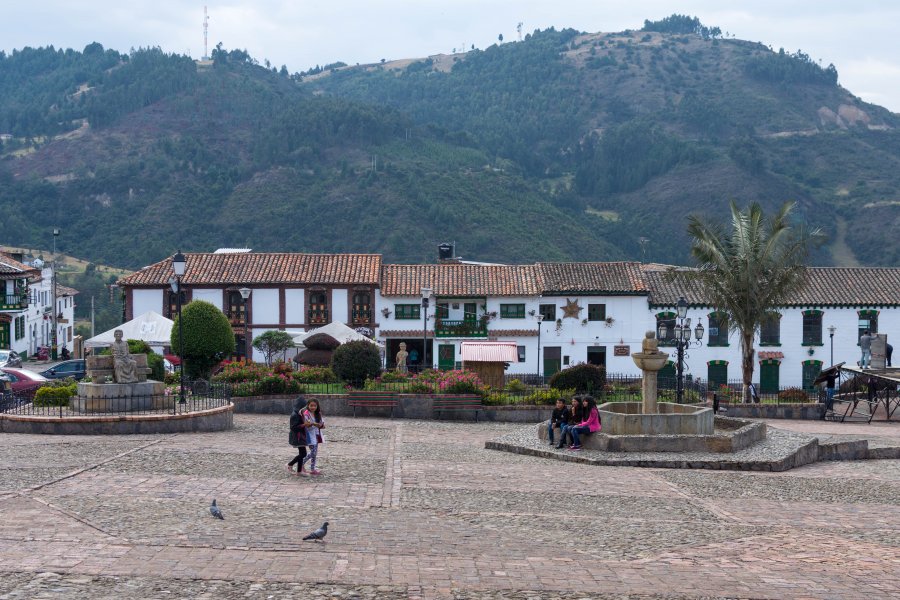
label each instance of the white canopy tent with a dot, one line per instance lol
(150, 327)
(338, 331)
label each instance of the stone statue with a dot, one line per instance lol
(124, 365)
(401, 358)
(650, 345)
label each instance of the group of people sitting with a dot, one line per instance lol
(579, 419)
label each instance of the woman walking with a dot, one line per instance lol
(297, 437)
(313, 423)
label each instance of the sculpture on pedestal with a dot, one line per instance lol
(401, 358)
(124, 365)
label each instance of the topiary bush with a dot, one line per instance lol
(581, 378)
(208, 337)
(54, 395)
(354, 362)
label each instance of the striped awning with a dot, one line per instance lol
(489, 352)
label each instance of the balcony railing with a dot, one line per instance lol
(14, 302)
(317, 316)
(361, 316)
(446, 328)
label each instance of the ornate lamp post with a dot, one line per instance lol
(245, 294)
(831, 330)
(178, 265)
(539, 318)
(426, 294)
(682, 341)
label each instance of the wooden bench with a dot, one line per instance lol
(458, 402)
(364, 399)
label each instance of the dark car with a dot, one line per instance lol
(9, 358)
(24, 382)
(69, 368)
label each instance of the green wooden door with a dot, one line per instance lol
(717, 374)
(768, 377)
(470, 312)
(811, 370)
(4, 336)
(552, 360)
(446, 356)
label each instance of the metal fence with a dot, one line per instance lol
(198, 396)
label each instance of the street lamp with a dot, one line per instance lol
(178, 266)
(682, 337)
(539, 318)
(426, 294)
(245, 294)
(831, 330)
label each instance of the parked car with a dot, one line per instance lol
(10, 358)
(24, 382)
(69, 368)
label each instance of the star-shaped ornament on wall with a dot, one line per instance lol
(571, 309)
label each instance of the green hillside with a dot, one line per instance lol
(566, 146)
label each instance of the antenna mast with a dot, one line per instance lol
(205, 34)
(519, 29)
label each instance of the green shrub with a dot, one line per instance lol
(793, 395)
(170, 378)
(394, 377)
(58, 395)
(421, 387)
(497, 399)
(690, 396)
(354, 362)
(208, 337)
(581, 378)
(308, 374)
(515, 386)
(549, 396)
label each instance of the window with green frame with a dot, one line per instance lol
(812, 327)
(717, 373)
(512, 311)
(811, 370)
(596, 312)
(548, 311)
(770, 330)
(20, 327)
(442, 310)
(718, 330)
(669, 319)
(407, 311)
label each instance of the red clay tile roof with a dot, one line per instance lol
(461, 281)
(263, 268)
(825, 286)
(10, 266)
(63, 290)
(605, 277)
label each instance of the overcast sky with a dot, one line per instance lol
(860, 38)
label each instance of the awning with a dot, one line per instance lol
(338, 331)
(150, 327)
(489, 352)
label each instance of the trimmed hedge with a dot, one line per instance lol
(354, 362)
(581, 378)
(50, 395)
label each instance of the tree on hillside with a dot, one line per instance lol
(208, 337)
(500, 38)
(273, 342)
(751, 270)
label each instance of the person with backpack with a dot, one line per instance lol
(297, 437)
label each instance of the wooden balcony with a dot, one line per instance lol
(317, 317)
(444, 328)
(14, 302)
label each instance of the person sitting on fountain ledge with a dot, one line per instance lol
(591, 423)
(558, 418)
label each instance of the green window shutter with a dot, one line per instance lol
(812, 327)
(717, 374)
(811, 370)
(407, 311)
(596, 312)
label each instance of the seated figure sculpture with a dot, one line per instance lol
(124, 365)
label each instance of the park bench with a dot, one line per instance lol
(367, 399)
(458, 402)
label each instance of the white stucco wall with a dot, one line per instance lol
(340, 311)
(213, 296)
(144, 300)
(264, 302)
(295, 308)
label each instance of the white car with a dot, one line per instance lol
(9, 358)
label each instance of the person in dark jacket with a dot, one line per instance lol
(888, 350)
(830, 380)
(558, 418)
(297, 437)
(575, 412)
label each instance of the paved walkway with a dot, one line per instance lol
(422, 510)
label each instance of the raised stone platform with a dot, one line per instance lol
(120, 397)
(730, 435)
(626, 418)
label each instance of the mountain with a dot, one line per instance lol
(565, 146)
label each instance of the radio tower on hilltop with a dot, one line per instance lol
(519, 29)
(205, 34)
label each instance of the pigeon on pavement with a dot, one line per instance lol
(214, 511)
(318, 534)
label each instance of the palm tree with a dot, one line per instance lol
(751, 270)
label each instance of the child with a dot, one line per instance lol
(558, 418)
(297, 437)
(590, 424)
(312, 421)
(574, 417)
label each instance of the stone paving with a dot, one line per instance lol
(422, 510)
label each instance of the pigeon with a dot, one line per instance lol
(318, 534)
(214, 511)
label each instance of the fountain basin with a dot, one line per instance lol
(627, 418)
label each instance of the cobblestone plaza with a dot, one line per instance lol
(422, 510)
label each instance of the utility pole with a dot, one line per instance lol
(205, 34)
(92, 317)
(53, 336)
